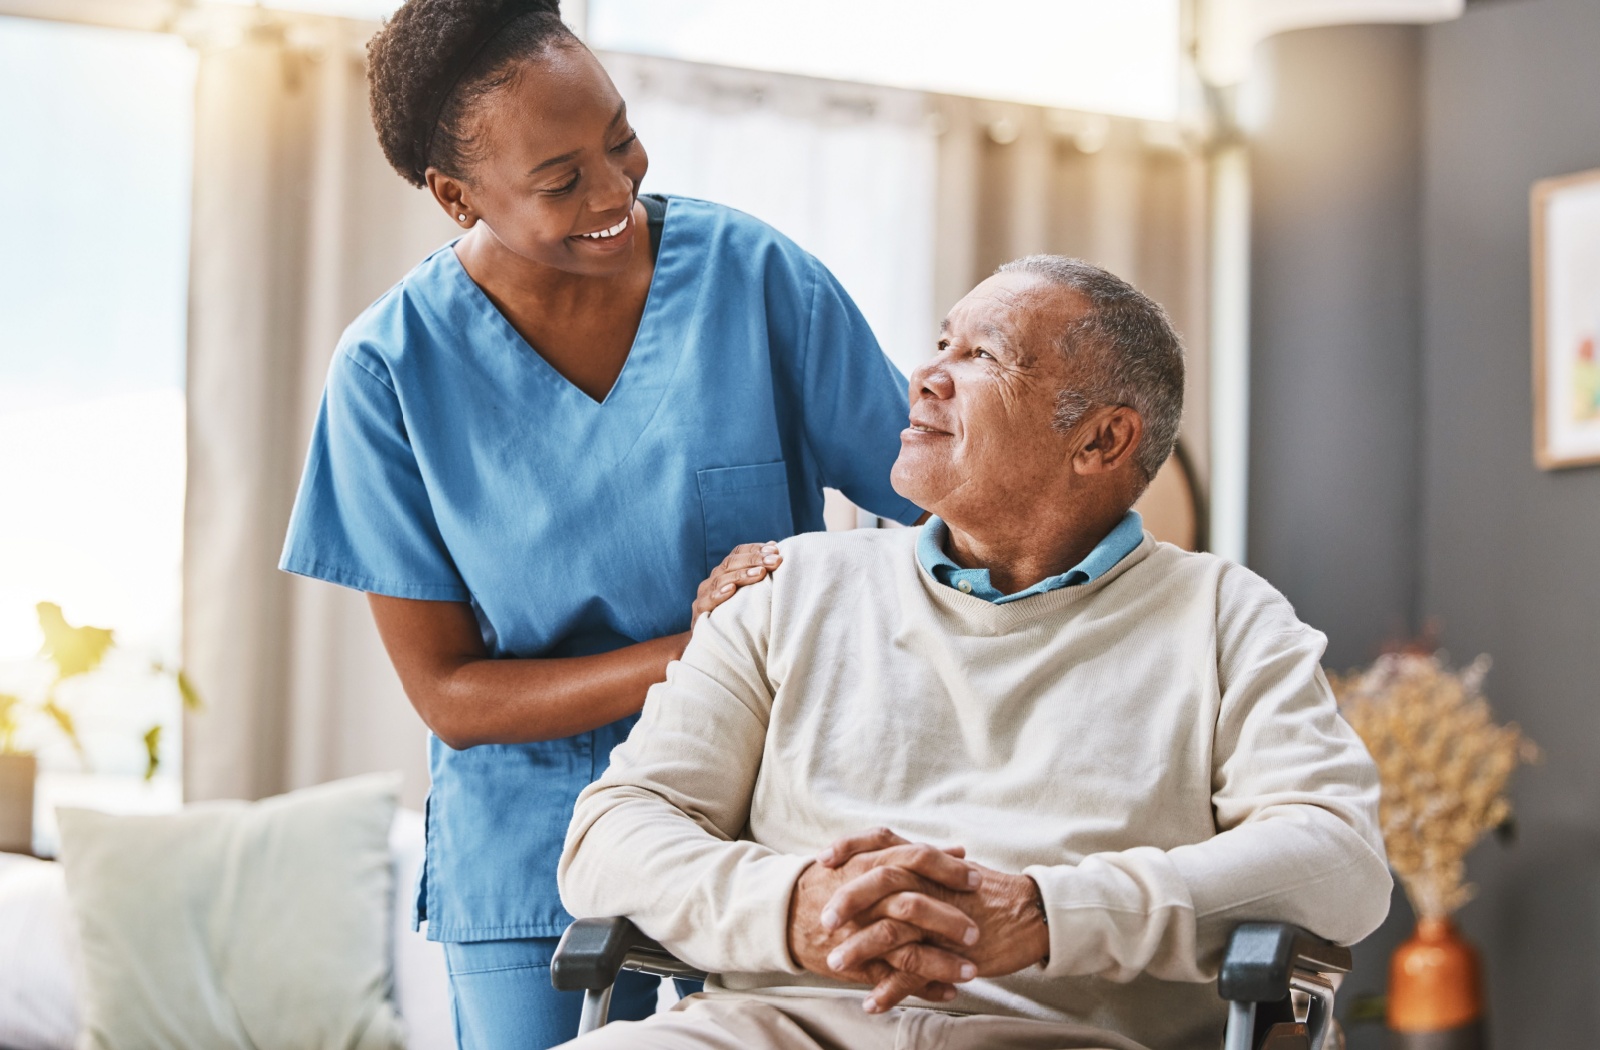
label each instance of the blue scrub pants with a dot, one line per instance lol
(501, 997)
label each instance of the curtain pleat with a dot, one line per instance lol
(298, 225)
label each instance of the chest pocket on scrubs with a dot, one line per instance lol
(747, 504)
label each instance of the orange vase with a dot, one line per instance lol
(1436, 992)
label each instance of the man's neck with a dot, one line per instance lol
(1018, 559)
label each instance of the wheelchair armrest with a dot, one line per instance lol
(593, 951)
(1262, 956)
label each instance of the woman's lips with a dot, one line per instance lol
(610, 238)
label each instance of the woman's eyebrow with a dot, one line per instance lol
(572, 154)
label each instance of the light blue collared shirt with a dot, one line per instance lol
(1118, 544)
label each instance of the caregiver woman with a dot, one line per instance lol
(535, 449)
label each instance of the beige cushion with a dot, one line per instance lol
(252, 925)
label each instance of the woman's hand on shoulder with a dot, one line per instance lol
(748, 563)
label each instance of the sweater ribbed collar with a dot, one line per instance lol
(991, 618)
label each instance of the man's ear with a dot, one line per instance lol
(1109, 437)
(451, 193)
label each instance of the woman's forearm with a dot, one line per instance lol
(517, 701)
(467, 698)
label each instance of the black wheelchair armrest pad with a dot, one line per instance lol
(591, 953)
(1262, 955)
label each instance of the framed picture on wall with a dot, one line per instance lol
(1566, 321)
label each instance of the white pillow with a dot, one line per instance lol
(39, 953)
(38, 957)
(253, 926)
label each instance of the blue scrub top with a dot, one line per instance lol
(451, 462)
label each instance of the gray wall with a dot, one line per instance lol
(1394, 480)
(1510, 553)
(1334, 396)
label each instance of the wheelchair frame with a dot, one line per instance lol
(1264, 963)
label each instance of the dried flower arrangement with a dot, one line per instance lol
(1443, 763)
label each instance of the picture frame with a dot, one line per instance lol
(1566, 320)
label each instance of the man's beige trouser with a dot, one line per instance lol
(736, 1022)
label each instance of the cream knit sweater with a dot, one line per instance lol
(1158, 749)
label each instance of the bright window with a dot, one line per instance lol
(1107, 57)
(93, 292)
(1100, 56)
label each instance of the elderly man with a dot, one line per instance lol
(1097, 752)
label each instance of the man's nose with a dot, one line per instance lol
(931, 380)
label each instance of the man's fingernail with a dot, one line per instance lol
(836, 959)
(871, 1006)
(771, 559)
(754, 570)
(970, 936)
(726, 589)
(826, 856)
(830, 918)
(968, 971)
(947, 994)
(973, 878)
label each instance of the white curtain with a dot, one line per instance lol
(847, 171)
(298, 225)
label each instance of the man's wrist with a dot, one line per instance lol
(794, 910)
(1041, 929)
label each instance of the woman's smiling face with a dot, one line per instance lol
(557, 166)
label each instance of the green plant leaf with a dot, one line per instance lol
(191, 695)
(152, 750)
(9, 708)
(74, 650)
(63, 720)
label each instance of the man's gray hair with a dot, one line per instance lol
(1129, 353)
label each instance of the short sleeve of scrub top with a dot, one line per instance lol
(377, 532)
(451, 462)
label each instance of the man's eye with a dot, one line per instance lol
(622, 147)
(980, 352)
(566, 187)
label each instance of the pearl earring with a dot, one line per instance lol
(463, 218)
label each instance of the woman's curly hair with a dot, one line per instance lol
(434, 59)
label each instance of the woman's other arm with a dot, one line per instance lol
(468, 697)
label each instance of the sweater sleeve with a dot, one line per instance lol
(656, 838)
(1295, 798)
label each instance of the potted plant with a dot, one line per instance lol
(71, 651)
(1443, 763)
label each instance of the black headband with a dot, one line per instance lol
(460, 70)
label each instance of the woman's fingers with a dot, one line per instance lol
(748, 563)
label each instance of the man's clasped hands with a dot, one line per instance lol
(912, 919)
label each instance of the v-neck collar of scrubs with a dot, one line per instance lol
(641, 382)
